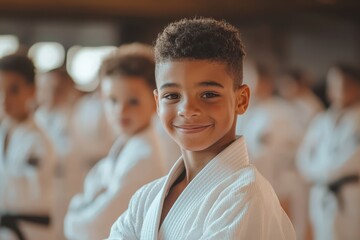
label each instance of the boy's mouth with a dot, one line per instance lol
(124, 122)
(191, 128)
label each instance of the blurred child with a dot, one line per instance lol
(57, 99)
(26, 159)
(329, 159)
(127, 82)
(212, 192)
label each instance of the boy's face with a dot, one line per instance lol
(342, 92)
(197, 103)
(16, 95)
(129, 103)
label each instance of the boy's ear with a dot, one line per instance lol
(242, 99)
(156, 96)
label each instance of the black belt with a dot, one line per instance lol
(336, 186)
(11, 221)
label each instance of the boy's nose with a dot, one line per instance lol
(122, 109)
(188, 109)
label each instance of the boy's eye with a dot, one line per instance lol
(209, 95)
(14, 90)
(171, 96)
(134, 102)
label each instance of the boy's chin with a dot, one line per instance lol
(194, 147)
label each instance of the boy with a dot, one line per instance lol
(211, 192)
(329, 159)
(127, 81)
(26, 159)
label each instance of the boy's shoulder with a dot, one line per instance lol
(249, 180)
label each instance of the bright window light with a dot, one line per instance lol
(83, 64)
(8, 44)
(47, 55)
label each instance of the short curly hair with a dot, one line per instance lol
(131, 60)
(19, 64)
(202, 39)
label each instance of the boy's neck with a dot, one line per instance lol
(195, 161)
(21, 119)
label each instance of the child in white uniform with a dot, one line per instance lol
(57, 99)
(212, 192)
(329, 159)
(26, 157)
(127, 82)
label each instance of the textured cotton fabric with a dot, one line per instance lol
(331, 151)
(26, 175)
(228, 199)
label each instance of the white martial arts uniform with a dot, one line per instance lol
(57, 126)
(330, 152)
(26, 174)
(228, 199)
(273, 135)
(110, 184)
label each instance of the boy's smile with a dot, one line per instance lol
(198, 103)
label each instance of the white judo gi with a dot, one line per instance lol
(111, 183)
(330, 153)
(57, 126)
(273, 135)
(228, 199)
(26, 174)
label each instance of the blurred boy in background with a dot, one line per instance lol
(329, 159)
(26, 157)
(127, 83)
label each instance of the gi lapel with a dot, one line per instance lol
(152, 219)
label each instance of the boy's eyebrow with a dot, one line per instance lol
(202, 84)
(167, 85)
(211, 83)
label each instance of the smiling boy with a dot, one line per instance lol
(212, 192)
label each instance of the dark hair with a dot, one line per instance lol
(19, 64)
(202, 39)
(348, 70)
(132, 60)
